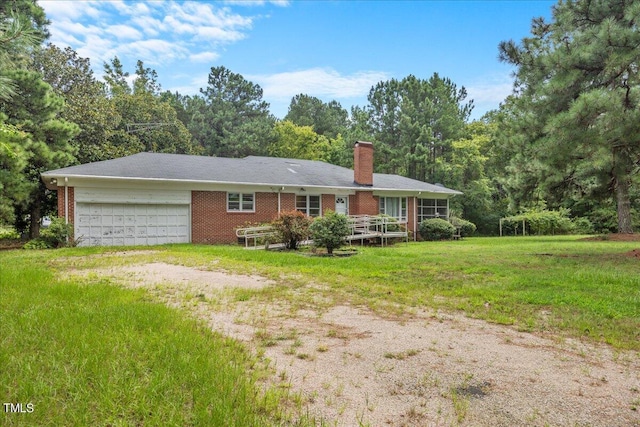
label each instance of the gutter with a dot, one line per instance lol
(45, 176)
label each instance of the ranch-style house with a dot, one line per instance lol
(154, 198)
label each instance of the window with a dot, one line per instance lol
(308, 205)
(433, 208)
(395, 207)
(240, 202)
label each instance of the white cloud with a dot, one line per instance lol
(122, 32)
(78, 29)
(155, 30)
(203, 14)
(281, 3)
(219, 34)
(191, 83)
(320, 82)
(148, 25)
(68, 10)
(487, 92)
(490, 89)
(204, 57)
(154, 51)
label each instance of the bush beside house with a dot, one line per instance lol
(467, 228)
(436, 229)
(292, 227)
(330, 231)
(57, 235)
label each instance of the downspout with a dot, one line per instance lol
(448, 213)
(66, 203)
(66, 200)
(415, 218)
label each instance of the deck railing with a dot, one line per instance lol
(361, 227)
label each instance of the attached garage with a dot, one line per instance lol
(108, 217)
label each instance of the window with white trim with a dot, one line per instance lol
(394, 206)
(308, 205)
(240, 202)
(433, 208)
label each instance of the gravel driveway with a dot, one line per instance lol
(353, 367)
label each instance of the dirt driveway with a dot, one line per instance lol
(353, 368)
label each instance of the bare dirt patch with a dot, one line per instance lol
(353, 367)
(178, 279)
(634, 254)
(617, 237)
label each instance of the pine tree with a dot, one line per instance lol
(579, 77)
(35, 111)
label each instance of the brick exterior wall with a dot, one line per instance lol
(287, 202)
(363, 163)
(363, 203)
(211, 223)
(70, 202)
(411, 210)
(328, 201)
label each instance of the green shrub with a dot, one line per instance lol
(436, 229)
(8, 234)
(541, 221)
(393, 225)
(604, 220)
(292, 227)
(582, 225)
(330, 231)
(57, 235)
(38, 243)
(467, 228)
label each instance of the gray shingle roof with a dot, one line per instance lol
(249, 170)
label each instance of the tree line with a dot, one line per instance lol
(568, 138)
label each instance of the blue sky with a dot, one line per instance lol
(328, 49)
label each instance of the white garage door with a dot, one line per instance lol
(108, 224)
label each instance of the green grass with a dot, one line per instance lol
(102, 355)
(97, 354)
(564, 285)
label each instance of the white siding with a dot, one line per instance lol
(132, 195)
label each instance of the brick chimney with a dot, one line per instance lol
(363, 163)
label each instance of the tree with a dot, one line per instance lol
(466, 170)
(19, 36)
(230, 119)
(17, 40)
(35, 111)
(116, 77)
(86, 102)
(148, 122)
(13, 160)
(32, 16)
(298, 142)
(577, 97)
(326, 119)
(146, 80)
(414, 121)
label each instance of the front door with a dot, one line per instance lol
(342, 205)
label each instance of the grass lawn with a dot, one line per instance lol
(101, 355)
(98, 354)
